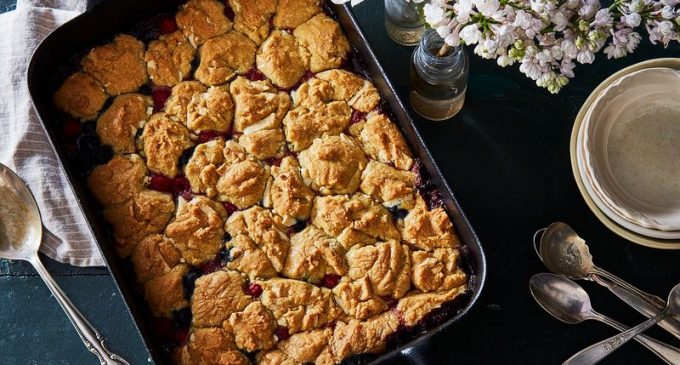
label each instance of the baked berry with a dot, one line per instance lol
(229, 12)
(254, 290)
(159, 96)
(231, 208)
(167, 25)
(211, 266)
(83, 161)
(224, 256)
(358, 116)
(274, 161)
(71, 128)
(102, 155)
(182, 318)
(185, 157)
(299, 226)
(179, 335)
(330, 281)
(398, 213)
(189, 282)
(161, 183)
(434, 199)
(181, 187)
(88, 143)
(255, 75)
(145, 89)
(207, 136)
(89, 128)
(282, 333)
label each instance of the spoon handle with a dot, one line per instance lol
(92, 339)
(667, 353)
(594, 353)
(647, 304)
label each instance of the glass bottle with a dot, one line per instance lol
(438, 82)
(403, 21)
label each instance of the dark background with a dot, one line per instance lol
(506, 156)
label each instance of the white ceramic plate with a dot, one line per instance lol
(628, 154)
(599, 202)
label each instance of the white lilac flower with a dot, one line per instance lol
(433, 14)
(585, 56)
(632, 20)
(569, 48)
(667, 12)
(567, 68)
(530, 68)
(590, 7)
(470, 34)
(602, 18)
(487, 7)
(463, 10)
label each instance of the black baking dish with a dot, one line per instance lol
(101, 23)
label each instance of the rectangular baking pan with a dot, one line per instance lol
(115, 16)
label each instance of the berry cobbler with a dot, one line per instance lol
(270, 208)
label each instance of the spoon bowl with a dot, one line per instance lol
(17, 197)
(563, 298)
(21, 233)
(564, 252)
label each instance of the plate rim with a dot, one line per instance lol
(666, 244)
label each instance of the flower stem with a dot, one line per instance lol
(444, 50)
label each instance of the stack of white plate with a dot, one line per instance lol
(626, 153)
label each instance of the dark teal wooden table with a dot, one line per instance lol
(506, 156)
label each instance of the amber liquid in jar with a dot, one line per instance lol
(438, 83)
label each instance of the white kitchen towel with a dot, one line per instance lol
(24, 147)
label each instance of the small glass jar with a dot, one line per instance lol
(438, 82)
(403, 22)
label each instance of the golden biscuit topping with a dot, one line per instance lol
(168, 59)
(201, 20)
(270, 207)
(265, 230)
(217, 296)
(176, 107)
(118, 125)
(212, 110)
(355, 220)
(225, 56)
(333, 165)
(163, 142)
(313, 255)
(324, 40)
(118, 65)
(119, 180)
(252, 17)
(81, 96)
(198, 229)
(291, 13)
(148, 212)
(281, 59)
(259, 105)
(298, 306)
(287, 194)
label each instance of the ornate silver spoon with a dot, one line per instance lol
(568, 302)
(602, 349)
(21, 232)
(565, 253)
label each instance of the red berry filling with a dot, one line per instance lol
(159, 96)
(255, 75)
(211, 266)
(167, 25)
(282, 333)
(274, 161)
(71, 128)
(160, 182)
(231, 208)
(207, 136)
(358, 116)
(178, 186)
(229, 12)
(330, 281)
(254, 290)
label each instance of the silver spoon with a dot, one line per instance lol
(565, 253)
(568, 302)
(20, 238)
(594, 353)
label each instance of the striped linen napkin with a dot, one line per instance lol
(24, 147)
